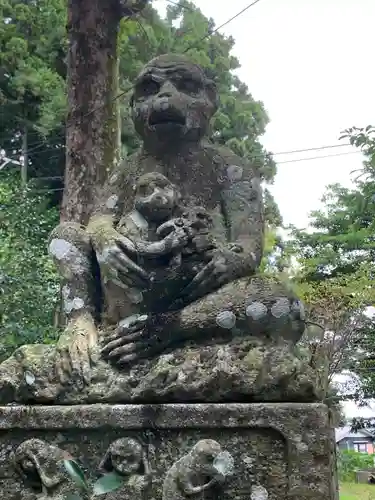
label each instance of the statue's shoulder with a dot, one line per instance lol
(224, 158)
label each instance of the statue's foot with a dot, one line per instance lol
(132, 341)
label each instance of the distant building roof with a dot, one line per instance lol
(346, 432)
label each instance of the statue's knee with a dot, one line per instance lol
(281, 317)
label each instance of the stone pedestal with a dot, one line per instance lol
(284, 450)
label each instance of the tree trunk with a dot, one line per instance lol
(92, 124)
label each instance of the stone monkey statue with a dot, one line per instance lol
(172, 105)
(156, 204)
(127, 458)
(194, 473)
(39, 464)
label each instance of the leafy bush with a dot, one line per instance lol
(28, 281)
(348, 462)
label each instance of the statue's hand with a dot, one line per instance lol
(130, 341)
(73, 354)
(177, 239)
(120, 266)
(223, 267)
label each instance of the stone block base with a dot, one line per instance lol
(280, 451)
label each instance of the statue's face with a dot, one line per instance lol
(126, 456)
(172, 101)
(155, 197)
(204, 454)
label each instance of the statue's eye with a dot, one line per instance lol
(189, 86)
(148, 87)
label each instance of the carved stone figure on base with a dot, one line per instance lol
(172, 104)
(39, 464)
(217, 294)
(127, 458)
(195, 472)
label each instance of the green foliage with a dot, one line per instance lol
(32, 81)
(348, 462)
(105, 484)
(32, 41)
(28, 280)
(33, 45)
(336, 266)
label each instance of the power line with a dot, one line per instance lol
(319, 157)
(278, 163)
(317, 148)
(186, 7)
(211, 32)
(293, 151)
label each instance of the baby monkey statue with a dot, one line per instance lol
(159, 234)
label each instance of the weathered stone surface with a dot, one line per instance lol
(283, 450)
(238, 370)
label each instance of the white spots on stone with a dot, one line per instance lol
(224, 463)
(126, 322)
(131, 320)
(258, 493)
(248, 461)
(256, 311)
(112, 201)
(113, 178)
(103, 256)
(59, 248)
(299, 309)
(78, 303)
(234, 172)
(68, 255)
(135, 296)
(226, 319)
(300, 445)
(280, 308)
(138, 220)
(71, 304)
(29, 378)
(181, 377)
(253, 256)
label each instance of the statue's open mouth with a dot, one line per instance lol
(166, 116)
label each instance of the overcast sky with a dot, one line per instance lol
(311, 65)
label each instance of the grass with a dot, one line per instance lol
(351, 491)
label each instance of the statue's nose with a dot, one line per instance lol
(167, 90)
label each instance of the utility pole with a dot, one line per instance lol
(25, 157)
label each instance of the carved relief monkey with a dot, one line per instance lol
(39, 464)
(194, 473)
(127, 458)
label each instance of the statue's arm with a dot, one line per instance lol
(107, 210)
(187, 487)
(242, 205)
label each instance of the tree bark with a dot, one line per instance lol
(92, 132)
